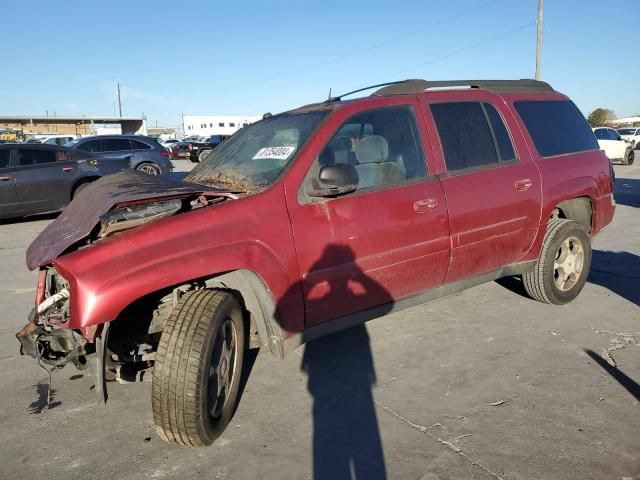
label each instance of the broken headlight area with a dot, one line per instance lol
(124, 218)
(46, 336)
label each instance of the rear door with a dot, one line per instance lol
(9, 205)
(492, 186)
(116, 155)
(44, 178)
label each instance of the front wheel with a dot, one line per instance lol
(564, 263)
(198, 366)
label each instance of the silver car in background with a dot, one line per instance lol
(119, 152)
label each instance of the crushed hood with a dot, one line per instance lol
(83, 213)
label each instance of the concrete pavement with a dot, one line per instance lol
(486, 384)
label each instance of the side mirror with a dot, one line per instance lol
(334, 180)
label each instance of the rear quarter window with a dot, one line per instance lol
(556, 127)
(4, 158)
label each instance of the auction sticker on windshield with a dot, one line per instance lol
(277, 153)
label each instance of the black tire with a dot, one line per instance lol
(192, 336)
(542, 283)
(149, 168)
(629, 157)
(202, 156)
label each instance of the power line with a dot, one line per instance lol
(462, 50)
(372, 47)
(440, 58)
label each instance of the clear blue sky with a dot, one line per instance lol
(233, 57)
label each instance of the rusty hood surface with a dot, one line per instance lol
(83, 213)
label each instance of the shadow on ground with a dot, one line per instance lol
(31, 218)
(627, 192)
(629, 384)
(177, 175)
(617, 271)
(340, 370)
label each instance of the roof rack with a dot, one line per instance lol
(412, 86)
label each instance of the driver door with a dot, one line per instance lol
(385, 241)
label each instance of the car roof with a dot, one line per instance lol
(31, 146)
(116, 136)
(419, 86)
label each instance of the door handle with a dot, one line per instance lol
(67, 169)
(5, 179)
(523, 185)
(422, 206)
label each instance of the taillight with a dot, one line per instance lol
(612, 177)
(190, 147)
(165, 153)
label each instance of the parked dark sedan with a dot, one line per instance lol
(37, 178)
(126, 151)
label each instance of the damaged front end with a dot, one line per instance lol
(47, 336)
(55, 334)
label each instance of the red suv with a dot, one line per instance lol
(311, 221)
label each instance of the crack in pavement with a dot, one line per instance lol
(620, 341)
(454, 445)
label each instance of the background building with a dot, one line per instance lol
(29, 126)
(206, 125)
(626, 122)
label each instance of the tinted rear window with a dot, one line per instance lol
(4, 158)
(137, 145)
(35, 157)
(503, 141)
(465, 136)
(556, 127)
(116, 144)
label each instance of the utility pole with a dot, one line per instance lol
(120, 101)
(539, 40)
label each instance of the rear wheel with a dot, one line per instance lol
(629, 157)
(564, 263)
(198, 366)
(148, 168)
(202, 156)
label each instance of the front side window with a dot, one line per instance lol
(383, 145)
(116, 144)
(556, 127)
(465, 135)
(35, 157)
(254, 157)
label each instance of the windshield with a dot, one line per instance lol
(255, 156)
(626, 131)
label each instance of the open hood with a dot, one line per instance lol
(125, 188)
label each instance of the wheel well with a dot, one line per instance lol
(82, 181)
(145, 317)
(577, 209)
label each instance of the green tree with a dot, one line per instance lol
(600, 117)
